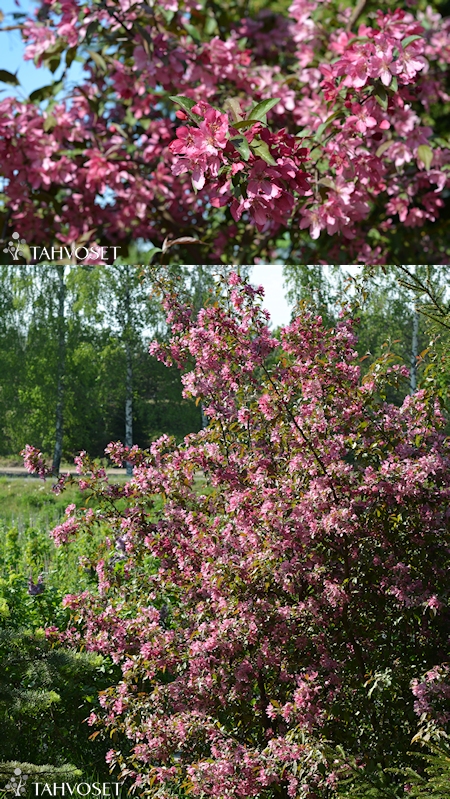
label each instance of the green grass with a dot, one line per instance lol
(28, 511)
(28, 501)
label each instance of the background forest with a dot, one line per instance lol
(77, 338)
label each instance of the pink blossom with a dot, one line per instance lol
(360, 118)
(381, 64)
(410, 61)
(355, 67)
(42, 38)
(34, 461)
(312, 219)
(65, 531)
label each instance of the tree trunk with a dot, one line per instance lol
(129, 403)
(59, 432)
(205, 420)
(414, 352)
(129, 372)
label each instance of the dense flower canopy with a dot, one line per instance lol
(277, 585)
(294, 132)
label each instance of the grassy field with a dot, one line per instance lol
(28, 501)
(28, 511)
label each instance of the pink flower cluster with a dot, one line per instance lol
(343, 141)
(396, 48)
(67, 530)
(200, 149)
(34, 462)
(432, 694)
(267, 191)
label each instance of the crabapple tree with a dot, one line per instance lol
(289, 132)
(276, 586)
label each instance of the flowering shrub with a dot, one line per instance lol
(289, 598)
(308, 129)
(432, 694)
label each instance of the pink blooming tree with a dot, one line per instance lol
(274, 587)
(306, 132)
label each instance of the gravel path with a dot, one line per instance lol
(19, 471)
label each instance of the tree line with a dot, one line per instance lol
(74, 363)
(75, 372)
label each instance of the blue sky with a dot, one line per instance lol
(11, 55)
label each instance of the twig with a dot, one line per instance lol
(425, 288)
(356, 13)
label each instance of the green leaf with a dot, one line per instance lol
(381, 97)
(409, 39)
(98, 60)
(129, 118)
(240, 143)
(8, 77)
(51, 58)
(327, 182)
(260, 110)
(74, 152)
(149, 255)
(245, 123)
(53, 63)
(425, 154)
(53, 49)
(383, 147)
(261, 149)
(233, 105)
(315, 153)
(186, 104)
(70, 56)
(211, 26)
(193, 32)
(394, 84)
(50, 122)
(442, 142)
(46, 91)
(323, 126)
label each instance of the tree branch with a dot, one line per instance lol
(356, 13)
(418, 284)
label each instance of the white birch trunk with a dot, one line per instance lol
(59, 432)
(414, 352)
